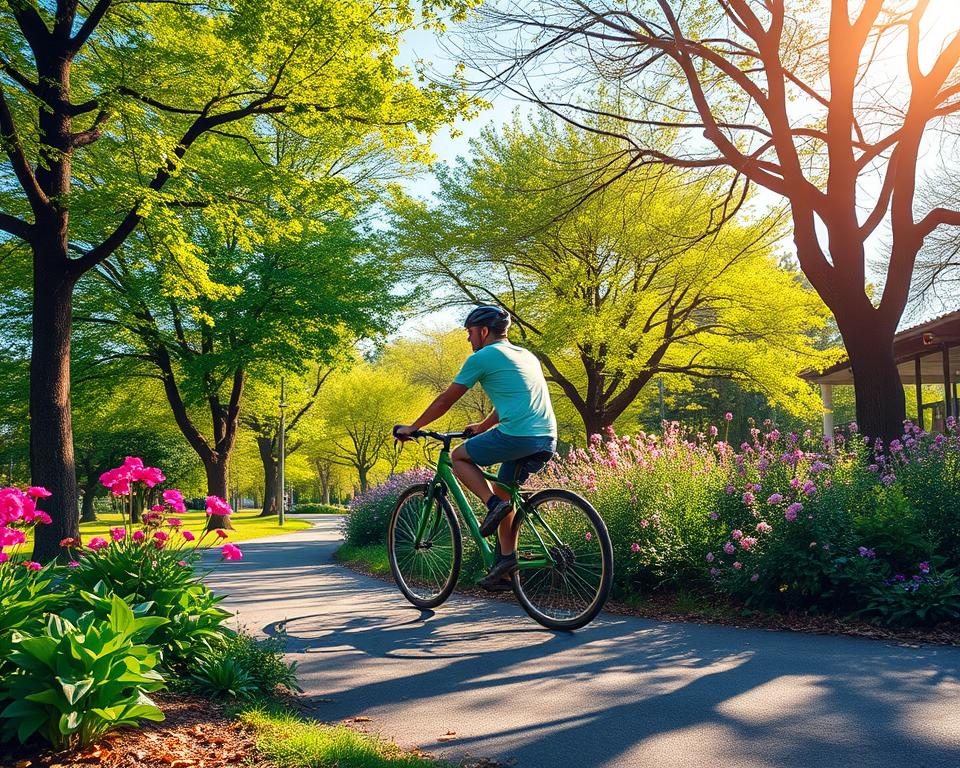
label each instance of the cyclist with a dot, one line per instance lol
(521, 424)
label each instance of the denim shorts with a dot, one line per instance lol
(493, 446)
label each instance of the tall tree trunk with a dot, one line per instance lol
(270, 478)
(216, 469)
(362, 476)
(881, 404)
(51, 428)
(87, 512)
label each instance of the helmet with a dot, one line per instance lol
(494, 318)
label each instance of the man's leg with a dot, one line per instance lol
(470, 475)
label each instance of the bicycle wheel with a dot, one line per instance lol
(565, 558)
(426, 570)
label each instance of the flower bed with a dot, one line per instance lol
(82, 644)
(782, 522)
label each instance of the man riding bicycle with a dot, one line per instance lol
(521, 424)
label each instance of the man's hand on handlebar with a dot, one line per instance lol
(473, 429)
(402, 433)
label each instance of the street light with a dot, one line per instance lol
(282, 451)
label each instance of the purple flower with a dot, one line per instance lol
(924, 567)
(748, 498)
(709, 557)
(729, 548)
(792, 511)
(866, 552)
(728, 416)
(775, 498)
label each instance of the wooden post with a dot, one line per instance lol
(826, 394)
(947, 388)
(919, 385)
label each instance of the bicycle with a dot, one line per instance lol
(564, 554)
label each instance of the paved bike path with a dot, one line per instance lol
(622, 692)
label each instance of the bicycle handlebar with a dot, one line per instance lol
(443, 437)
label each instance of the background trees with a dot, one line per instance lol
(614, 279)
(103, 110)
(807, 104)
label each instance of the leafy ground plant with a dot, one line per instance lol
(80, 678)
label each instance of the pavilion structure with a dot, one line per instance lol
(928, 353)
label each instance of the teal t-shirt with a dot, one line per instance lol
(513, 380)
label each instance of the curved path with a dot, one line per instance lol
(622, 692)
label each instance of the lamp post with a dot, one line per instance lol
(282, 510)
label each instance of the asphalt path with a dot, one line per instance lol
(479, 678)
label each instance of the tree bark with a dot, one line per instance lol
(216, 469)
(270, 476)
(51, 428)
(881, 404)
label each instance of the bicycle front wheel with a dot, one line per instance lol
(424, 547)
(565, 560)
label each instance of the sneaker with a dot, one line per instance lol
(494, 517)
(502, 568)
(502, 584)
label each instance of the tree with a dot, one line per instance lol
(615, 285)
(797, 100)
(279, 306)
(263, 421)
(359, 411)
(102, 108)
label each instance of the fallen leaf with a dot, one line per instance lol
(182, 764)
(361, 719)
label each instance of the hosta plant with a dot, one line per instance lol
(81, 677)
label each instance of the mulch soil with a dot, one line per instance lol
(664, 608)
(196, 734)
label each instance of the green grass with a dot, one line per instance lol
(291, 741)
(246, 523)
(372, 558)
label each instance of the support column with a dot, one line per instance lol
(947, 386)
(826, 394)
(918, 383)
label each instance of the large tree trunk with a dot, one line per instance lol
(270, 476)
(362, 477)
(216, 469)
(881, 405)
(87, 512)
(51, 428)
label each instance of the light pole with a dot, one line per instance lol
(283, 430)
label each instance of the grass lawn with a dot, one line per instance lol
(291, 741)
(370, 559)
(246, 522)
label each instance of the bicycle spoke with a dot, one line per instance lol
(425, 567)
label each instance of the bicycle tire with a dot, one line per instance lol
(404, 568)
(545, 593)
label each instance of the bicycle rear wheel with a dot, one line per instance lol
(565, 560)
(425, 569)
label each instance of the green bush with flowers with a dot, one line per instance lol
(82, 644)
(782, 521)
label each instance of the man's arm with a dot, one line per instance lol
(488, 423)
(441, 404)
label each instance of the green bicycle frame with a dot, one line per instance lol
(444, 478)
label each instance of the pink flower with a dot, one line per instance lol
(589, 536)
(748, 498)
(222, 534)
(729, 548)
(73, 564)
(738, 565)
(792, 511)
(232, 552)
(118, 534)
(97, 542)
(10, 537)
(736, 534)
(182, 563)
(139, 535)
(43, 517)
(38, 492)
(634, 547)
(150, 476)
(4, 557)
(188, 536)
(712, 431)
(747, 542)
(174, 522)
(30, 565)
(728, 416)
(158, 508)
(644, 523)
(217, 506)
(161, 536)
(710, 557)
(174, 498)
(763, 527)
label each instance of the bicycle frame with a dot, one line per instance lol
(444, 478)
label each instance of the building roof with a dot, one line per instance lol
(926, 341)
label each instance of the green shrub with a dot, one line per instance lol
(223, 676)
(26, 597)
(923, 598)
(82, 676)
(311, 508)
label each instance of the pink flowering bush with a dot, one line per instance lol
(782, 521)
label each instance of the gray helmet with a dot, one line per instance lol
(494, 318)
